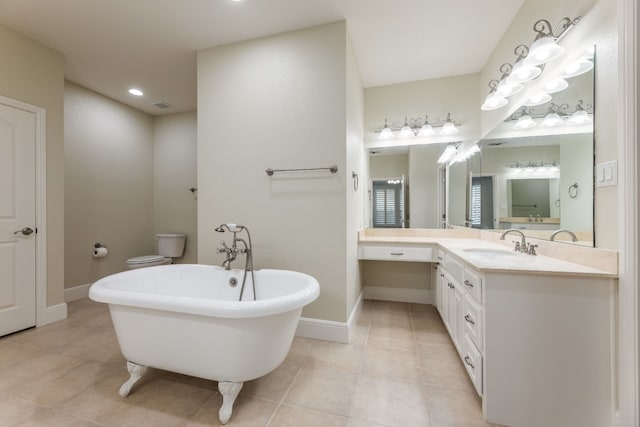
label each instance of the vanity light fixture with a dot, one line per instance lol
(385, 132)
(418, 127)
(493, 101)
(505, 87)
(465, 151)
(522, 70)
(449, 128)
(545, 47)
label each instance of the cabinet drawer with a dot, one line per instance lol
(473, 317)
(455, 268)
(395, 253)
(472, 282)
(472, 360)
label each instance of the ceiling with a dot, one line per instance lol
(112, 45)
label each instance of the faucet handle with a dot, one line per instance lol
(532, 249)
(517, 248)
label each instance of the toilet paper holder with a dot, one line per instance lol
(99, 245)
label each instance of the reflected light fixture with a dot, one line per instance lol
(556, 85)
(545, 47)
(578, 67)
(525, 121)
(538, 99)
(580, 116)
(448, 154)
(552, 118)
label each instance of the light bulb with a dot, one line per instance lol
(406, 131)
(579, 117)
(556, 85)
(551, 120)
(580, 66)
(523, 72)
(449, 129)
(426, 130)
(386, 133)
(135, 92)
(543, 50)
(506, 88)
(538, 99)
(524, 122)
(493, 101)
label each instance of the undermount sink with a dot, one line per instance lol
(489, 252)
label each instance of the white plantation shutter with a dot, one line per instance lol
(388, 204)
(476, 204)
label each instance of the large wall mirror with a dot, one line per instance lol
(535, 172)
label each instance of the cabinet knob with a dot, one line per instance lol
(469, 319)
(441, 275)
(468, 283)
(469, 362)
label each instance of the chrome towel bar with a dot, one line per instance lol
(332, 169)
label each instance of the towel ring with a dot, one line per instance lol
(573, 190)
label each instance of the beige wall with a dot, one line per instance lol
(174, 172)
(356, 196)
(279, 102)
(109, 184)
(34, 73)
(389, 165)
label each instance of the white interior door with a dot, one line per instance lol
(17, 219)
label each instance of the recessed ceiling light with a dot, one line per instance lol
(136, 92)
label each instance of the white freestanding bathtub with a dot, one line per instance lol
(186, 318)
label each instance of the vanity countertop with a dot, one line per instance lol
(486, 253)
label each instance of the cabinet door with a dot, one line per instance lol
(458, 298)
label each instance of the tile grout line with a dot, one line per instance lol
(284, 396)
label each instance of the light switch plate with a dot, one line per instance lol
(607, 174)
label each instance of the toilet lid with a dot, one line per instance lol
(145, 259)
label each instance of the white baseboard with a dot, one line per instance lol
(328, 330)
(77, 292)
(56, 313)
(420, 296)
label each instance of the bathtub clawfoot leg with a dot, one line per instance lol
(136, 371)
(229, 391)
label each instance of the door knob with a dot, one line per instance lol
(25, 231)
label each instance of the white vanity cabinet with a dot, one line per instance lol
(538, 343)
(460, 288)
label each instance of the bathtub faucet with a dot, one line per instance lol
(232, 252)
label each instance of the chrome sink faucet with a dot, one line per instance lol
(521, 246)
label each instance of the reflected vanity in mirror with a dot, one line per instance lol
(534, 171)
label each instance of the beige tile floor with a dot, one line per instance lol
(400, 369)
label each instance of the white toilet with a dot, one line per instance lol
(169, 246)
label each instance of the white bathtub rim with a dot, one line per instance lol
(100, 292)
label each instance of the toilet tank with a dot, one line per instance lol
(171, 244)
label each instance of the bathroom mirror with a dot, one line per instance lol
(480, 191)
